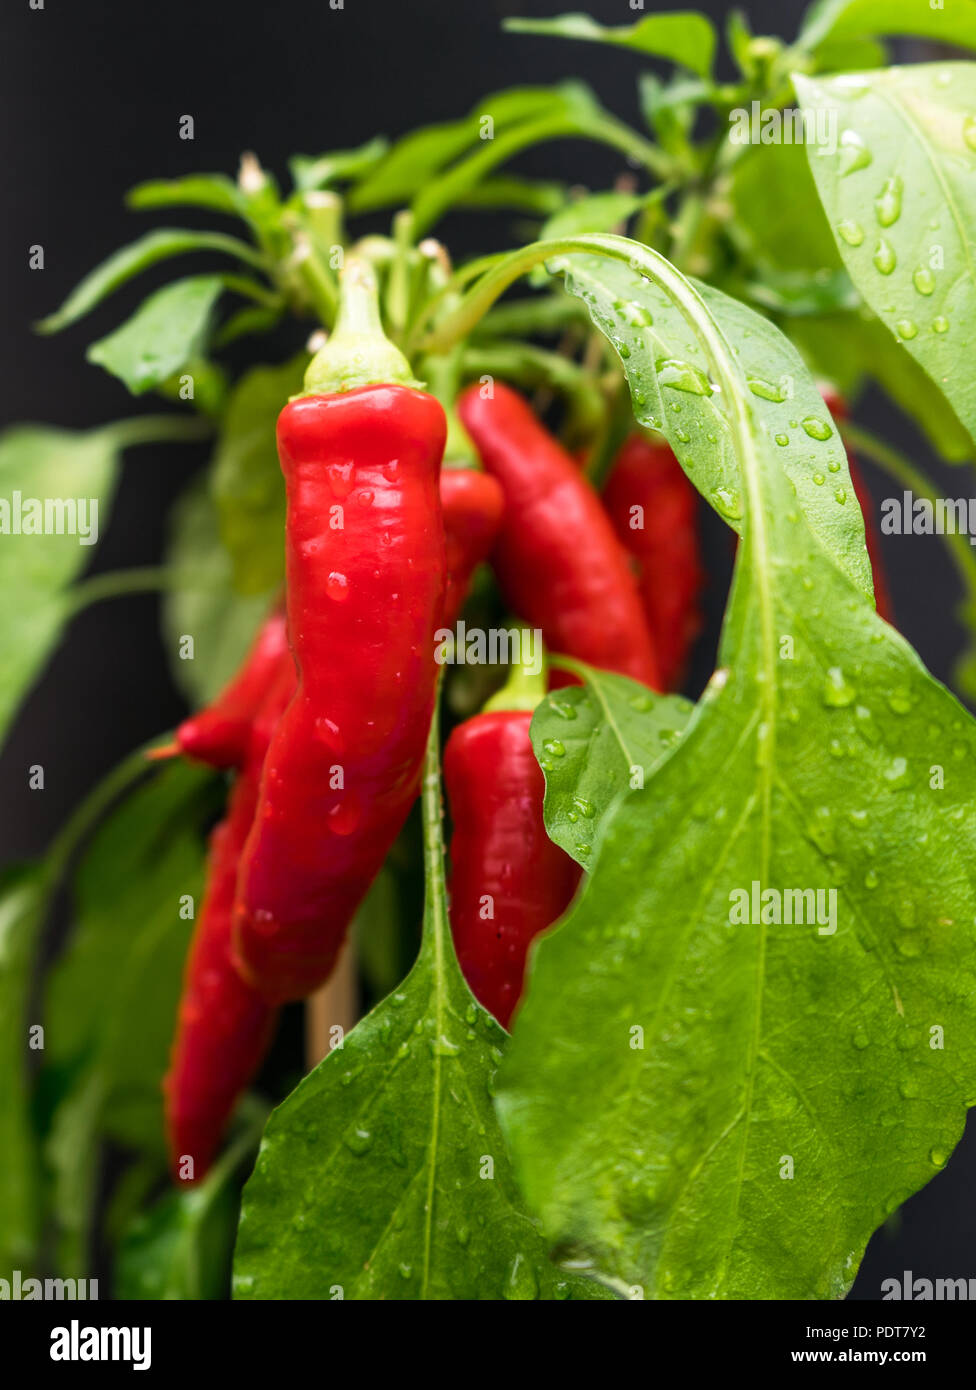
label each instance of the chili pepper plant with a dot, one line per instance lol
(687, 1011)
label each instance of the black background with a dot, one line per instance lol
(92, 94)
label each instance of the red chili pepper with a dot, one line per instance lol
(654, 511)
(508, 881)
(219, 734)
(558, 562)
(364, 547)
(872, 536)
(223, 1026)
(472, 504)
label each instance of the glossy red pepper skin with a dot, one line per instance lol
(365, 590)
(654, 511)
(223, 1026)
(872, 536)
(502, 860)
(219, 734)
(472, 504)
(558, 562)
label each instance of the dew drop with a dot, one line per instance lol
(727, 502)
(884, 257)
(924, 280)
(969, 131)
(682, 376)
(854, 154)
(941, 324)
(850, 231)
(837, 690)
(887, 205)
(816, 429)
(767, 390)
(907, 328)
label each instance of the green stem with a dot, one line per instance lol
(399, 283)
(317, 282)
(121, 583)
(82, 820)
(524, 688)
(532, 366)
(435, 893)
(252, 289)
(358, 352)
(157, 429)
(898, 467)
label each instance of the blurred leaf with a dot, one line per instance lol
(216, 192)
(797, 293)
(319, 171)
(167, 329)
(682, 37)
(522, 195)
(598, 212)
(952, 23)
(252, 319)
(419, 155)
(111, 998)
(55, 467)
(22, 896)
(850, 55)
(248, 487)
(203, 603)
(131, 260)
(181, 1248)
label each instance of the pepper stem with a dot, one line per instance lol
(526, 685)
(358, 352)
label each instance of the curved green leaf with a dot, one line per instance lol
(166, 332)
(706, 1106)
(683, 37)
(900, 194)
(132, 260)
(594, 742)
(216, 192)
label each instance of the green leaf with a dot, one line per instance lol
(682, 37)
(672, 390)
(523, 195)
(572, 110)
(421, 154)
(166, 331)
(321, 171)
(900, 195)
(215, 192)
(708, 1109)
(22, 895)
(598, 212)
(593, 742)
(181, 1248)
(779, 220)
(846, 347)
(951, 23)
(131, 260)
(247, 483)
(57, 469)
(120, 977)
(203, 604)
(383, 1175)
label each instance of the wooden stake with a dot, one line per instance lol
(336, 1003)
